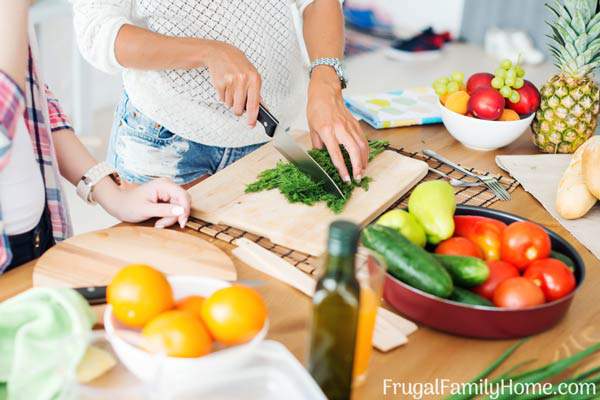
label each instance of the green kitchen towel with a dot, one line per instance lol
(43, 334)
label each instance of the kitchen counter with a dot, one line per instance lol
(429, 354)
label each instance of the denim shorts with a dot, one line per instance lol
(141, 150)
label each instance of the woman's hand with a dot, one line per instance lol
(332, 125)
(159, 198)
(235, 79)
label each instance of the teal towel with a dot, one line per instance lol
(43, 334)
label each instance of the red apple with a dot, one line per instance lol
(486, 103)
(530, 100)
(479, 81)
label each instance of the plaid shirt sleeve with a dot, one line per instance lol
(58, 119)
(12, 103)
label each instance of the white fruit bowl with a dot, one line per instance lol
(480, 134)
(149, 367)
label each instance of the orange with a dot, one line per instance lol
(234, 314)
(509, 115)
(444, 98)
(138, 293)
(193, 304)
(178, 334)
(458, 102)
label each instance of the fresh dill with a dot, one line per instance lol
(299, 188)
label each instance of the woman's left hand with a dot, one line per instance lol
(158, 198)
(331, 124)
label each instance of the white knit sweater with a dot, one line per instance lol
(184, 101)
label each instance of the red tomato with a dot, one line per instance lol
(518, 293)
(499, 272)
(458, 246)
(554, 278)
(485, 232)
(524, 242)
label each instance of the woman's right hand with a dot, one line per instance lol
(235, 79)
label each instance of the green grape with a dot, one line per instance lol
(520, 71)
(509, 81)
(500, 73)
(441, 81)
(458, 77)
(497, 83)
(511, 73)
(519, 83)
(515, 97)
(440, 88)
(506, 64)
(453, 87)
(505, 91)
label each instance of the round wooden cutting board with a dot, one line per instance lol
(93, 258)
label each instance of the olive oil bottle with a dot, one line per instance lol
(335, 314)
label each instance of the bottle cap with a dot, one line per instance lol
(343, 238)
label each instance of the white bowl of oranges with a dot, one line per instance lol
(169, 328)
(489, 111)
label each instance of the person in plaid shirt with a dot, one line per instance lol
(37, 144)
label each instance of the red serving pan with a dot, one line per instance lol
(483, 322)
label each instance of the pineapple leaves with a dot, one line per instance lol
(575, 35)
(556, 37)
(581, 43)
(572, 7)
(551, 8)
(587, 9)
(578, 22)
(593, 50)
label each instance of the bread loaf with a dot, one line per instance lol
(573, 199)
(591, 166)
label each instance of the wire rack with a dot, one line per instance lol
(473, 196)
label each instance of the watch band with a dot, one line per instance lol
(92, 177)
(334, 63)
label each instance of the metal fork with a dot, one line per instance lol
(491, 183)
(454, 181)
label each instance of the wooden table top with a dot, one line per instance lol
(429, 354)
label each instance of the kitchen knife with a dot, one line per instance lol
(95, 295)
(295, 154)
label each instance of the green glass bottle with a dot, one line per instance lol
(335, 314)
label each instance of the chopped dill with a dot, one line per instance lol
(299, 188)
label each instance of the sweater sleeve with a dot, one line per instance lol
(302, 4)
(97, 23)
(12, 104)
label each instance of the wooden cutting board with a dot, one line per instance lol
(93, 258)
(220, 199)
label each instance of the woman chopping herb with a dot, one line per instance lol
(38, 145)
(193, 68)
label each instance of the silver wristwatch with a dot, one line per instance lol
(334, 63)
(92, 177)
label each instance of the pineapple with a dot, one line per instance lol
(570, 101)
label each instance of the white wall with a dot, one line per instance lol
(57, 48)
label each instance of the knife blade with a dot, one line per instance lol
(295, 154)
(96, 295)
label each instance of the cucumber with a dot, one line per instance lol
(565, 259)
(407, 261)
(467, 297)
(465, 271)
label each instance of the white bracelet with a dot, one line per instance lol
(92, 177)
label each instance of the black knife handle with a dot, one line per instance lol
(94, 295)
(267, 120)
